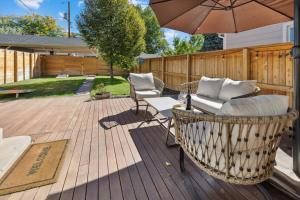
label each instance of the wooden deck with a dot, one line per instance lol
(108, 156)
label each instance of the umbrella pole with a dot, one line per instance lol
(296, 55)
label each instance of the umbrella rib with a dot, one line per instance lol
(181, 14)
(242, 4)
(218, 3)
(234, 2)
(164, 1)
(203, 20)
(233, 16)
(274, 9)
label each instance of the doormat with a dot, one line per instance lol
(38, 166)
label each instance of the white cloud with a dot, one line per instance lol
(61, 14)
(135, 2)
(32, 4)
(170, 34)
(80, 3)
(139, 2)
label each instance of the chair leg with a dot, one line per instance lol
(137, 107)
(168, 134)
(146, 111)
(264, 192)
(181, 159)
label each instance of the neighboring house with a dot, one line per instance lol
(277, 33)
(45, 44)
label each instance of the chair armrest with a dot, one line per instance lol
(132, 89)
(252, 94)
(183, 88)
(193, 86)
(159, 84)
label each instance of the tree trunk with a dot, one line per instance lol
(111, 70)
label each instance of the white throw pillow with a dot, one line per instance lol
(142, 81)
(264, 105)
(210, 87)
(231, 89)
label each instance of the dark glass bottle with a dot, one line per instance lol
(188, 100)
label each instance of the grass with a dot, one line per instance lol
(117, 86)
(44, 87)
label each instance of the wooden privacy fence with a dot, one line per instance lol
(53, 65)
(16, 66)
(271, 66)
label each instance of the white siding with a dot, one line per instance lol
(260, 36)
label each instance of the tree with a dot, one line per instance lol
(185, 46)
(154, 37)
(30, 24)
(9, 25)
(40, 25)
(212, 42)
(115, 28)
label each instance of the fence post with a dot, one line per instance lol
(188, 64)
(23, 56)
(4, 70)
(149, 66)
(163, 75)
(246, 64)
(30, 65)
(15, 66)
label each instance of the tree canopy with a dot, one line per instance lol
(30, 24)
(212, 42)
(185, 46)
(115, 28)
(154, 37)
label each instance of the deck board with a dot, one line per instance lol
(109, 156)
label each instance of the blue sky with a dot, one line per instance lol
(56, 8)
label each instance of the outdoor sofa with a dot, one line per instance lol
(11, 149)
(209, 94)
(144, 86)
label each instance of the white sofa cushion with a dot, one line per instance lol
(210, 87)
(142, 81)
(147, 94)
(10, 151)
(207, 104)
(263, 105)
(231, 89)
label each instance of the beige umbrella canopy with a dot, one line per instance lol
(221, 16)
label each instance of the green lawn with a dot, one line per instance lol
(117, 86)
(45, 87)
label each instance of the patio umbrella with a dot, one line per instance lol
(232, 16)
(221, 16)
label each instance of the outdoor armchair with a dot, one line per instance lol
(236, 149)
(138, 94)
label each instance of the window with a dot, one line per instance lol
(290, 33)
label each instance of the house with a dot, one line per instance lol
(45, 44)
(277, 33)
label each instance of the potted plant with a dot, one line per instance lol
(100, 92)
